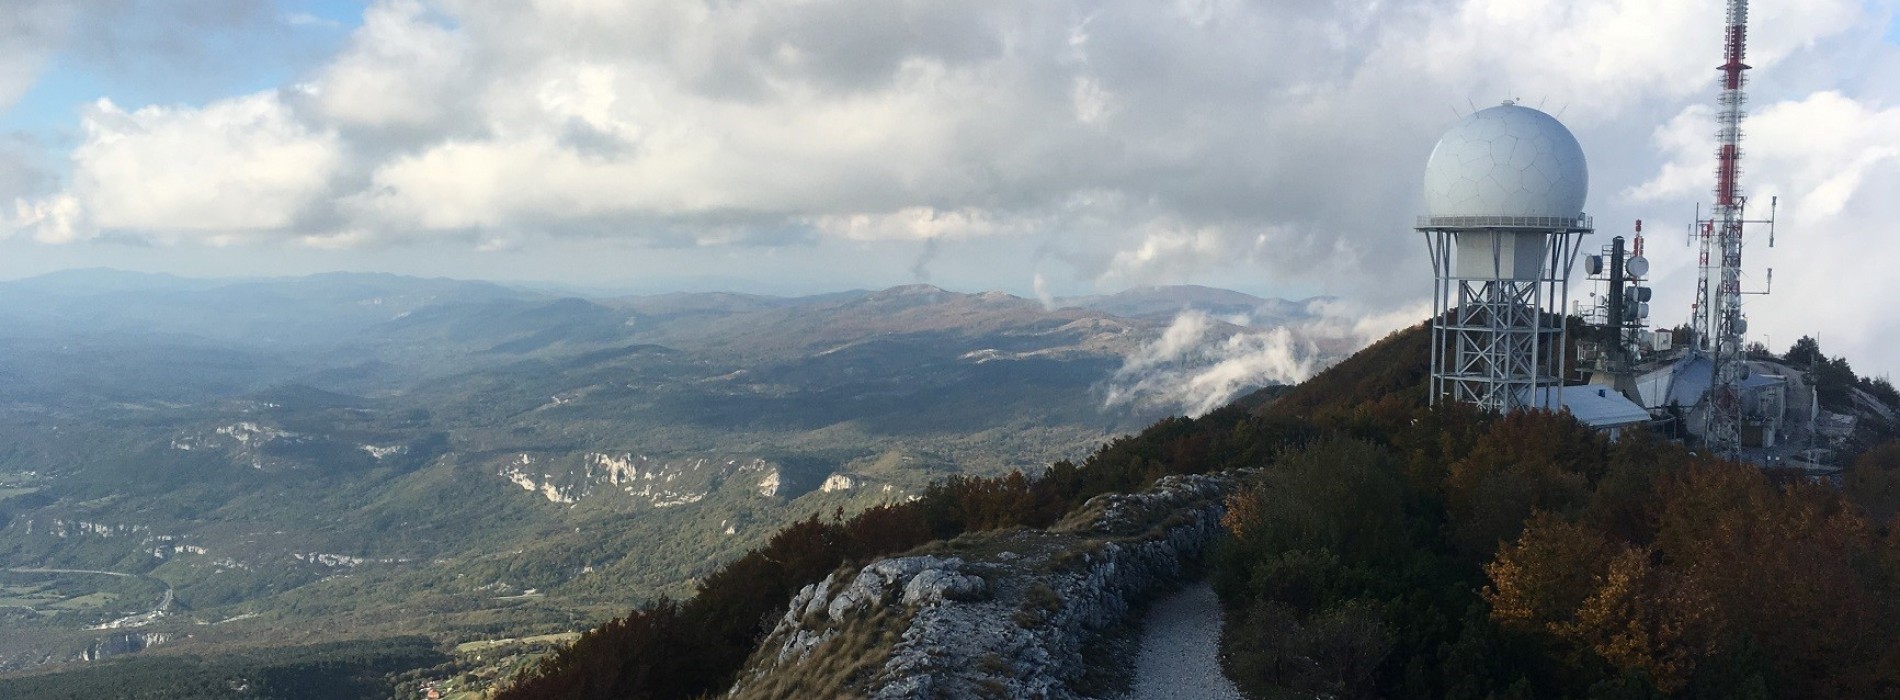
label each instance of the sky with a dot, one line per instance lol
(1043, 148)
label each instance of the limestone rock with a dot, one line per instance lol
(1012, 624)
(937, 585)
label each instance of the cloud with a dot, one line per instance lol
(1200, 363)
(1137, 142)
(305, 19)
(404, 68)
(30, 30)
(235, 168)
(1831, 161)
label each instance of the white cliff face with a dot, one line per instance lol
(838, 482)
(622, 469)
(251, 434)
(645, 480)
(122, 644)
(247, 442)
(379, 452)
(62, 528)
(520, 473)
(769, 486)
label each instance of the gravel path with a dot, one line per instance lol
(1180, 648)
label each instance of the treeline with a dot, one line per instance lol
(337, 671)
(1833, 377)
(1447, 554)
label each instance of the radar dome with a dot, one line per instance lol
(1507, 161)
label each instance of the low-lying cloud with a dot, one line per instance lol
(1201, 363)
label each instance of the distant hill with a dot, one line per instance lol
(345, 456)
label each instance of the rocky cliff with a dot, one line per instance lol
(995, 614)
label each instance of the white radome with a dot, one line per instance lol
(1507, 161)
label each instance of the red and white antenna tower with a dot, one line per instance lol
(1719, 323)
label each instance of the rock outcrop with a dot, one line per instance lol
(996, 614)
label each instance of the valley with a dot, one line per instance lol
(357, 456)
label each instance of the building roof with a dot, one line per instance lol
(1685, 381)
(1595, 406)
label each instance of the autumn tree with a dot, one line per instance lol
(1874, 481)
(1526, 461)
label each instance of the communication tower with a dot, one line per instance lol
(1504, 195)
(1618, 313)
(1717, 315)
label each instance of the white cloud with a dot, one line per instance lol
(914, 223)
(1219, 133)
(54, 219)
(403, 68)
(305, 19)
(1137, 142)
(239, 166)
(1174, 253)
(1200, 363)
(1832, 161)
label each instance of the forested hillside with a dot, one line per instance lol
(1391, 550)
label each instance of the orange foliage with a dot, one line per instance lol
(1541, 579)
(1243, 509)
(1525, 461)
(1735, 558)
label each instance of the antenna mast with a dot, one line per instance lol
(1720, 318)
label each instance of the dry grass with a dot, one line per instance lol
(840, 667)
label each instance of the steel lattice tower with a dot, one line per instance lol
(1498, 333)
(1721, 315)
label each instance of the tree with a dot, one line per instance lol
(1873, 482)
(1526, 461)
(1804, 352)
(1539, 581)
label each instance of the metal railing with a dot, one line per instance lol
(1548, 223)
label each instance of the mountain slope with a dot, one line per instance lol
(511, 463)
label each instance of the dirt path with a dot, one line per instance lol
(1180, 648)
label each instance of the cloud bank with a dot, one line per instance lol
(1110, 142)
(1201, 363)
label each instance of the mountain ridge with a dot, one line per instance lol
(511, 460)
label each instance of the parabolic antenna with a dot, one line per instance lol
(1637, 266)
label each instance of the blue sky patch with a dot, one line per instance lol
(147, 67)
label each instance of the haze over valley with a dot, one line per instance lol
(344, 456)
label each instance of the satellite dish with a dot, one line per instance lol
(1637, 266)
(1593, 265)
